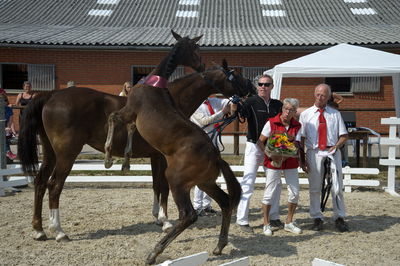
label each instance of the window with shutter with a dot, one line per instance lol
(41, 77)
(12, 76)
(365, 84)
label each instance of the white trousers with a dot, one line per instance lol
(253, 158)
(315, 175)
(200, 199)
(273, 185)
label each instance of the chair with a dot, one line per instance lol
(370, 142)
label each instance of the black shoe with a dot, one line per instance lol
(317, 226)
(246, 228)
(210, 210)
(341, 225)
(276, 224)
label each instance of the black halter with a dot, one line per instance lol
(230, 76)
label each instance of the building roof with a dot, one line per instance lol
(224, 23)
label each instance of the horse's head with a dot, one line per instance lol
(235, 83)
(188, 52)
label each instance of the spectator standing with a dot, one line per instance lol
(257, 110)
(9, 123)
(323, 133)
(24, 97)
(282, 123)
(126, 88)
(70, 84)
(210, 111)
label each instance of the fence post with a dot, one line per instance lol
(3, 162)
(347, 177)
(391, 162)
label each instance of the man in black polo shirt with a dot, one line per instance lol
(257, 110)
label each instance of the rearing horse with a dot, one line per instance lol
(191, 157)
(56, 161)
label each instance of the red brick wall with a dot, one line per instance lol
(108, 70)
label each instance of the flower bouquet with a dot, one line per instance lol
(279, 147)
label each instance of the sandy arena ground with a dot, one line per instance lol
(114, 226)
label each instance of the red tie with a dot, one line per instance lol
(211, 110)
(322, 131)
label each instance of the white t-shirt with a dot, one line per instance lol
(309, 120)
(266, 131)
(202, 115)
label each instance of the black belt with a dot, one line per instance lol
(252, 141)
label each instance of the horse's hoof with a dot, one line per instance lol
(151, 259)
(217, 251)
(126, 168)
(108, 163)
(167, 227)
(40, 236)
(63, 238)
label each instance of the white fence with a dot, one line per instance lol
(12, 169)
(348, 173)
(393, 141)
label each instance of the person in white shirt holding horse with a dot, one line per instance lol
(210, 111)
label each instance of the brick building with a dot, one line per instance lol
(103, 43)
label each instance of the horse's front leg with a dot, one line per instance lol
(112, 120)
(131, 128)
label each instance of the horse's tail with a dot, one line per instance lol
(30, 125)
(234, 189)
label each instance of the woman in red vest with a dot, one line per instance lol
(284, 122)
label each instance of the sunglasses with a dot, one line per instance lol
(264, 84)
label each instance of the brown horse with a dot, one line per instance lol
(191, 157)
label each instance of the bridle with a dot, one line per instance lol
(230, 76)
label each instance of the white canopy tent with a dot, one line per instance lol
(342, 60)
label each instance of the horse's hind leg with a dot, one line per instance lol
(222, 200)
(40, 184)
(131, 128)
(112, 121)
(187, 216)
(65, 161)
(160, 189)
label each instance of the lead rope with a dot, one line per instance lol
(326, 183)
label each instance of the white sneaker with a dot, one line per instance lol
(292, 228)
(267, 230)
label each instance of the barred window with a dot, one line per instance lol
(252, 73)
(354, 84)
(365, 84)
(12, 76)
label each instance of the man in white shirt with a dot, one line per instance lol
(323, 133)
(210, 111)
